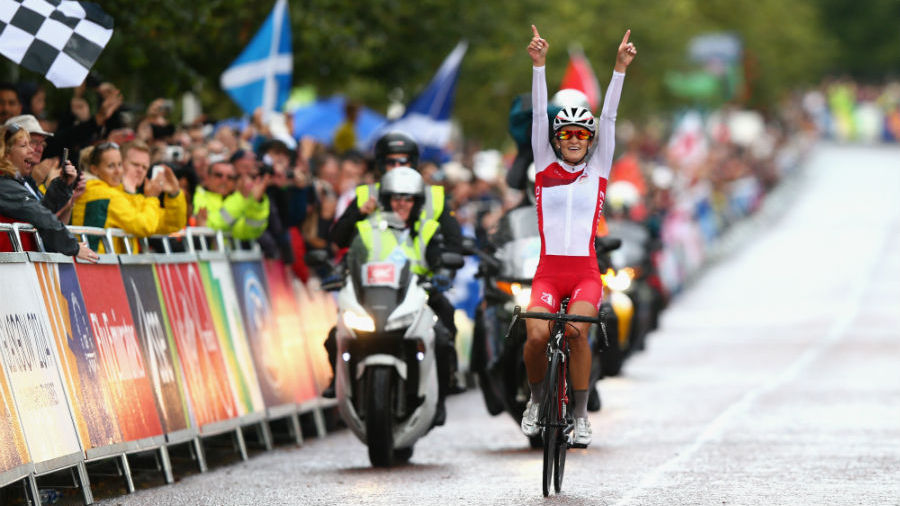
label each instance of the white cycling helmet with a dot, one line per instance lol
(578, 116)
(570, 97)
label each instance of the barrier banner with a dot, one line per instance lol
(289, 319)
(78, 356)
(157, 345)
(274, 368)
(205, 373)
(13, 452)
(121, 360)
(319, 316)
(226, 314)
(26, 353)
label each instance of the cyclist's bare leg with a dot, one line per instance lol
(535, 352)
(580, 354)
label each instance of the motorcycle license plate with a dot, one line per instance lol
(380, 274)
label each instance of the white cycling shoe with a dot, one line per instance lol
(530, 419)
(583, 432)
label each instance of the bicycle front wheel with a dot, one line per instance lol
(550, 418)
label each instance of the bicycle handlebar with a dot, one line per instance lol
(518, 313)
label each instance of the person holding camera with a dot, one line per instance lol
(105, 203)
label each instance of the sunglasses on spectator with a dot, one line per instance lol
(11, 129)
(222, 175)
(103, 146)
(397, 161)
(399, 197)
(581, 135)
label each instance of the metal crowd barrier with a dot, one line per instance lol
(144, 350)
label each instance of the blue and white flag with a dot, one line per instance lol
(427, 118)
(261, 75)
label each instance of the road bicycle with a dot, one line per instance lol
(556, 420)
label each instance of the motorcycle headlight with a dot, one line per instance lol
(400, 322)
(358, 321)
(521, 294)
(617, 280)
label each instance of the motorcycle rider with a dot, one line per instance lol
(394, 150)
(572, 171)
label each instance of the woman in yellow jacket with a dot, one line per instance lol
(106, 204)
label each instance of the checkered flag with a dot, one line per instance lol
(61, 39)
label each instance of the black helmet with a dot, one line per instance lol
(396, 142)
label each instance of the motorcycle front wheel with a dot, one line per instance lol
(380, 417)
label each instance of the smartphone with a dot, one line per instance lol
(65, 156)
(155, 170)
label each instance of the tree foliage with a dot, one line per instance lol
(366, 50)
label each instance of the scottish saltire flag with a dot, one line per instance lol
(261, 75)
(580, 76)
(427, 118)
(60, 39)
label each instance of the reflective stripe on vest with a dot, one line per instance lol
(381, 243)
(434, 203)
(364, 191)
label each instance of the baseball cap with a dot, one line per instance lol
(29, 123)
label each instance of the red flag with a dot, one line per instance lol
(580, 76)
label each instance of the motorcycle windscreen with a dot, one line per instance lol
(518, 241)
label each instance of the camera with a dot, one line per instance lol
(174, 153)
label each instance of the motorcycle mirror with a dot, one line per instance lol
(452, 260)
(610, 243)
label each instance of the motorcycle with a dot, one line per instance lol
(386, 373)
(507, 270)
(634, 260)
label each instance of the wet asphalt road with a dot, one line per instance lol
(774, 379)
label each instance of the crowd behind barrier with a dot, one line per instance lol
(141, 351)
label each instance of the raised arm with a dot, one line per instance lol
(540, 127)
(606, 127)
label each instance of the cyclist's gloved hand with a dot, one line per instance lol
(441, 282)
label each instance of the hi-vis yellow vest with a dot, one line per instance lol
(380, 243)
(431, 209)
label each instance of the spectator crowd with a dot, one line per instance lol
(132, 168)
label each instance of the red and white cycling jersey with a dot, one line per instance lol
(570, 198)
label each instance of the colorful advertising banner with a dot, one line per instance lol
(13, 452)
(120, 354)
(202, 359)
(78, 357)
(319, 315)
(27, 357)
(289, 317)
(157, 345)
(226, 314)
(274, 368)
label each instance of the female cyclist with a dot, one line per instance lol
(572, 171)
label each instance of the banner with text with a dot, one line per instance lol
(226, 314)
(27, 357)
(205, 373)
(157, 345)
(78, 357)
(120, 354)
(274, 368)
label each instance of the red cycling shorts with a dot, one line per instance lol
(560, 276)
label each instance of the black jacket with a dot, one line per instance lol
(17, 203)
(58, 193)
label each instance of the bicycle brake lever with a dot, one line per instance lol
(512, 324)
